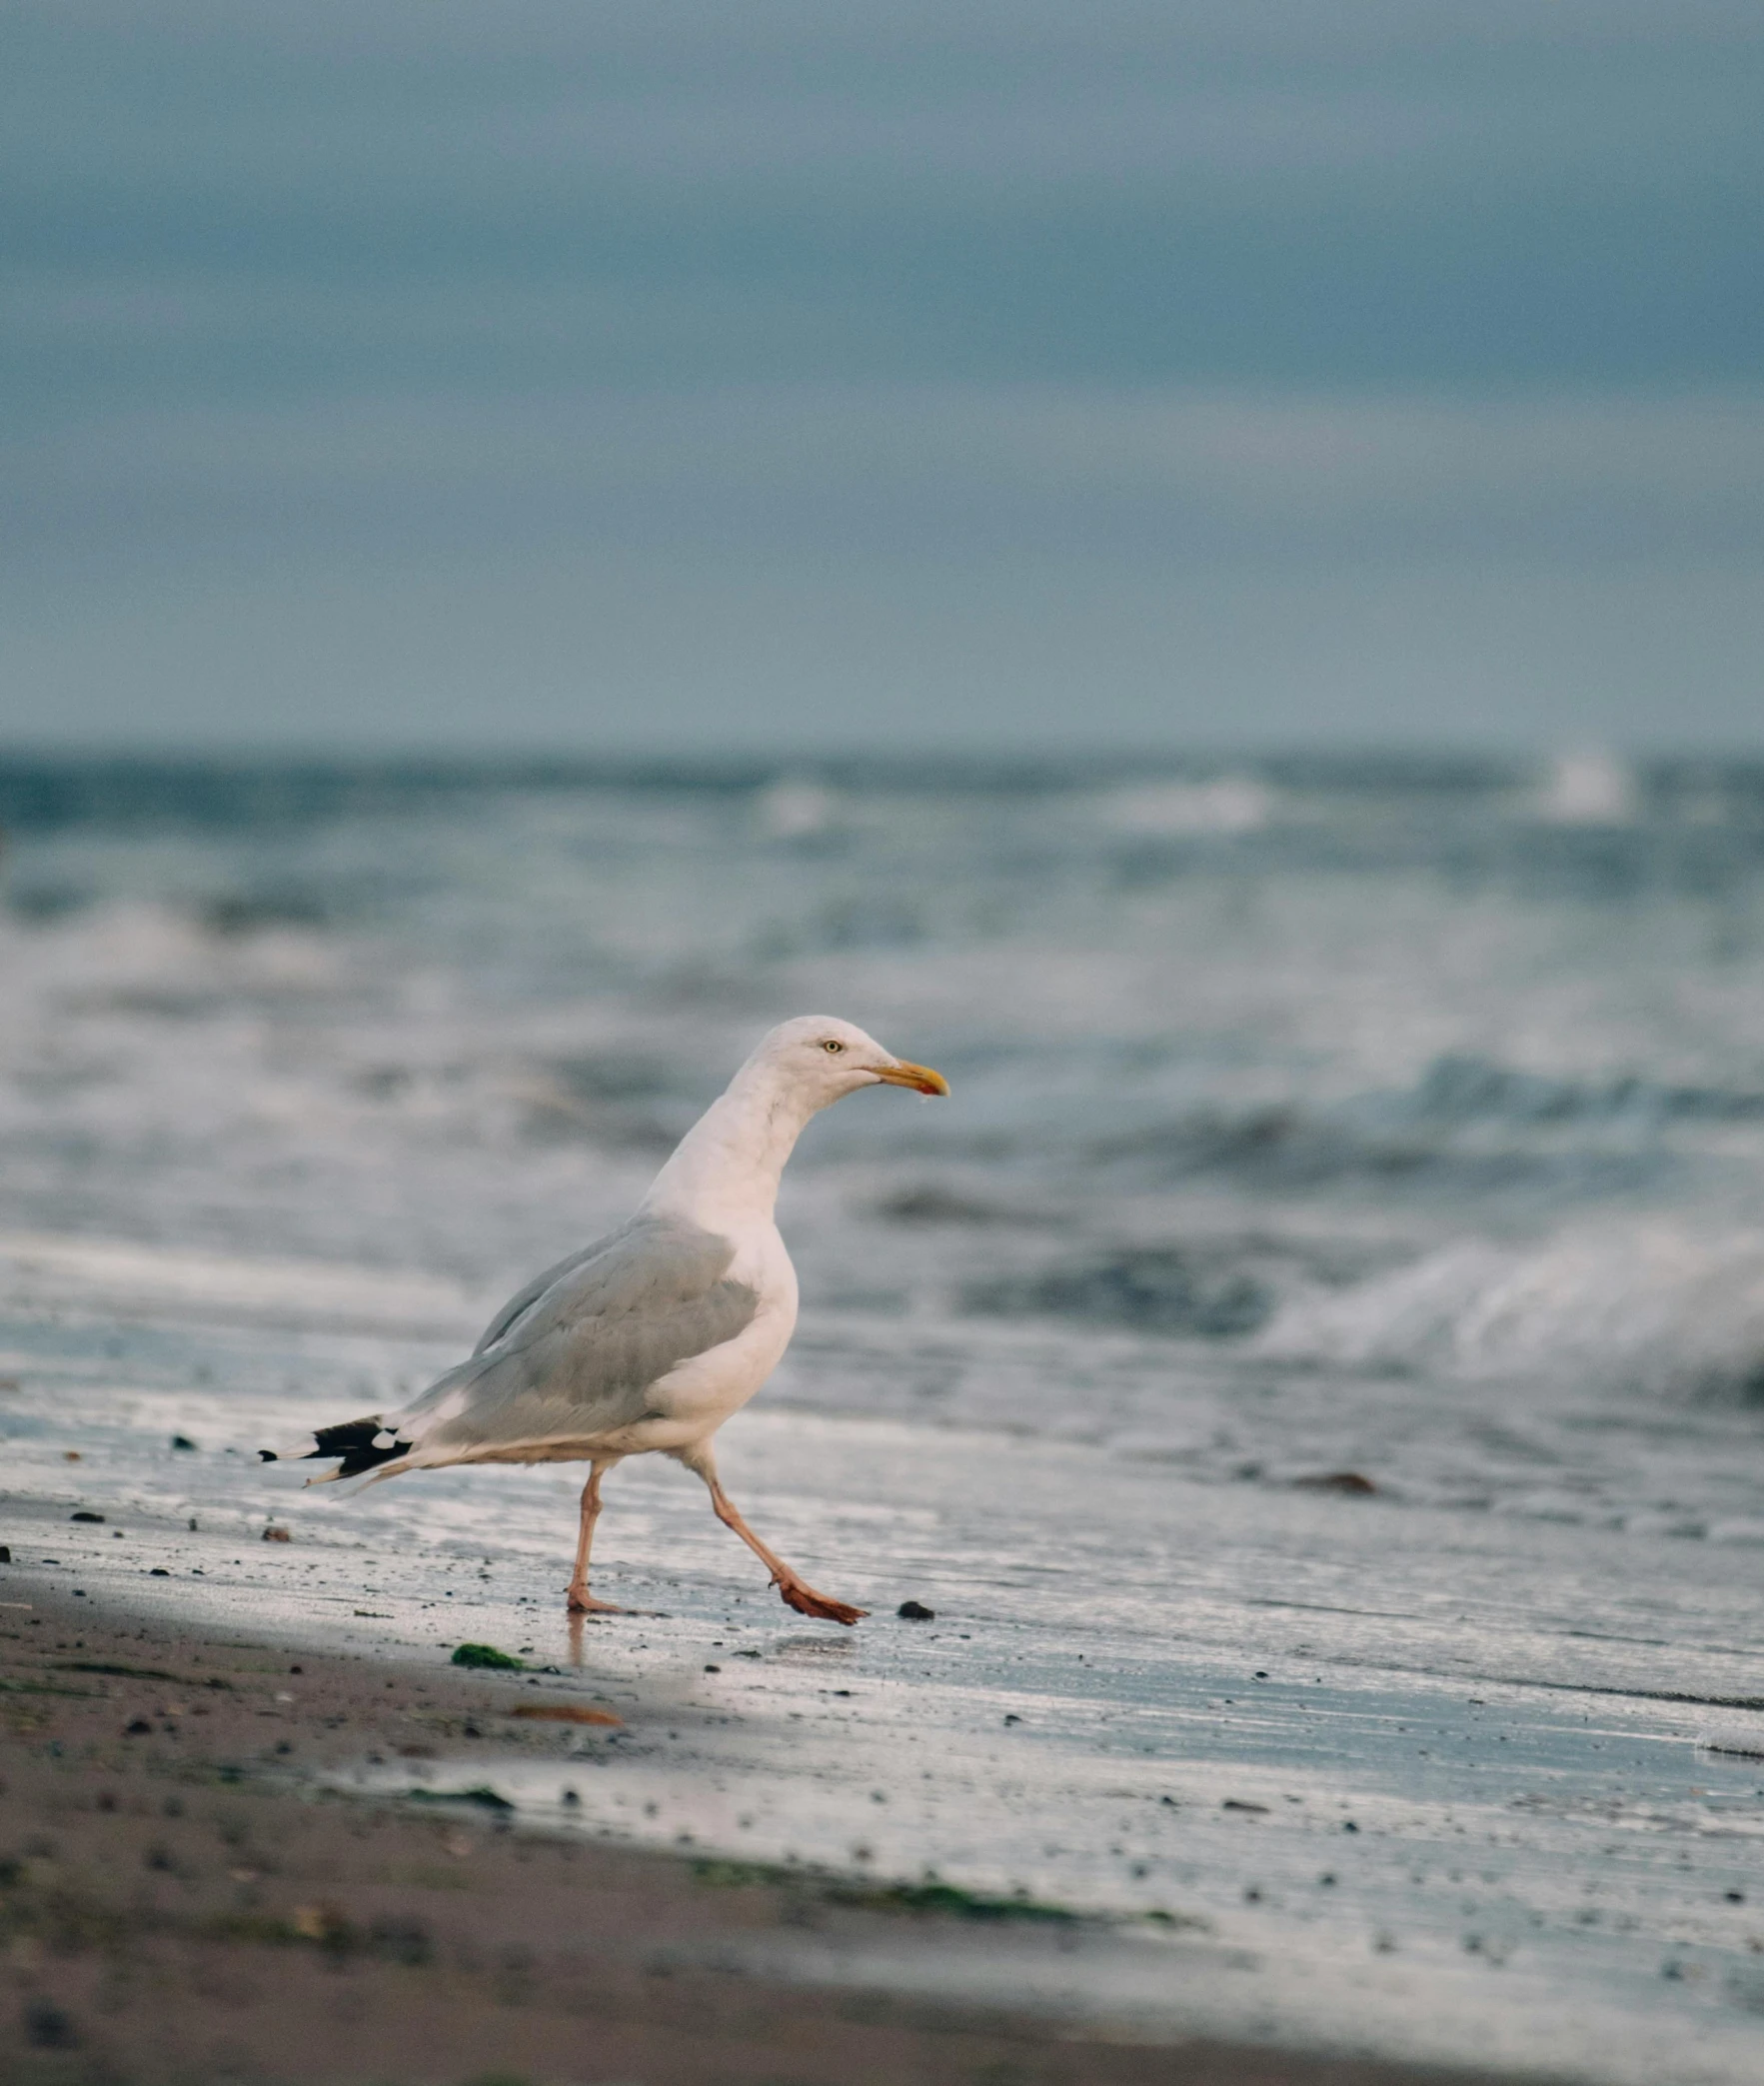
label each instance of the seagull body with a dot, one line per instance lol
(650, 1339)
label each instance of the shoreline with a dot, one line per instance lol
(185, 1895)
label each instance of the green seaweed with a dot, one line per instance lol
(487, 1655)
(935, 1897)
(947, 1898)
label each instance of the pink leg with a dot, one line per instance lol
(795, 1591)
(579, 1600)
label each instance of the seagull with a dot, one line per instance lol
(648, 1339)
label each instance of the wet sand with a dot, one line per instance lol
(186, 1895)
(1308, 1769)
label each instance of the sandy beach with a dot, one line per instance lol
(1293, 1771)
(185, 1896)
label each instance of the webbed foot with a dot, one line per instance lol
(806, 1601)
(579, 1601)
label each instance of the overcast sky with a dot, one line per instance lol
(404, 373)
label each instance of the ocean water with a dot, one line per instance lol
(1331, 1304)
(1451, 1072)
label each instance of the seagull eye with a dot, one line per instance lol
(833, 1046)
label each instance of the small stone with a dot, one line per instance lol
(274, 1534)
(85, 1515)
(916, 1612)
(181, 1442)
(48, 2028)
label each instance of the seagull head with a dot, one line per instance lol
(821, 1059)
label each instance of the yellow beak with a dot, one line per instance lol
(919, 1078)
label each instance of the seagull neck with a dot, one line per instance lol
(724, 1173)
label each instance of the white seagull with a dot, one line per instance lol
(653, 1336)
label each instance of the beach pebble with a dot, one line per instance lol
(48, 2028)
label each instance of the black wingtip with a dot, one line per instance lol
(360, 1443)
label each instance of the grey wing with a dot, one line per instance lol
(524, 1299)
(577, 1359)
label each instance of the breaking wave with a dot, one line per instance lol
(1640, 1308)
(1656, 1308)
